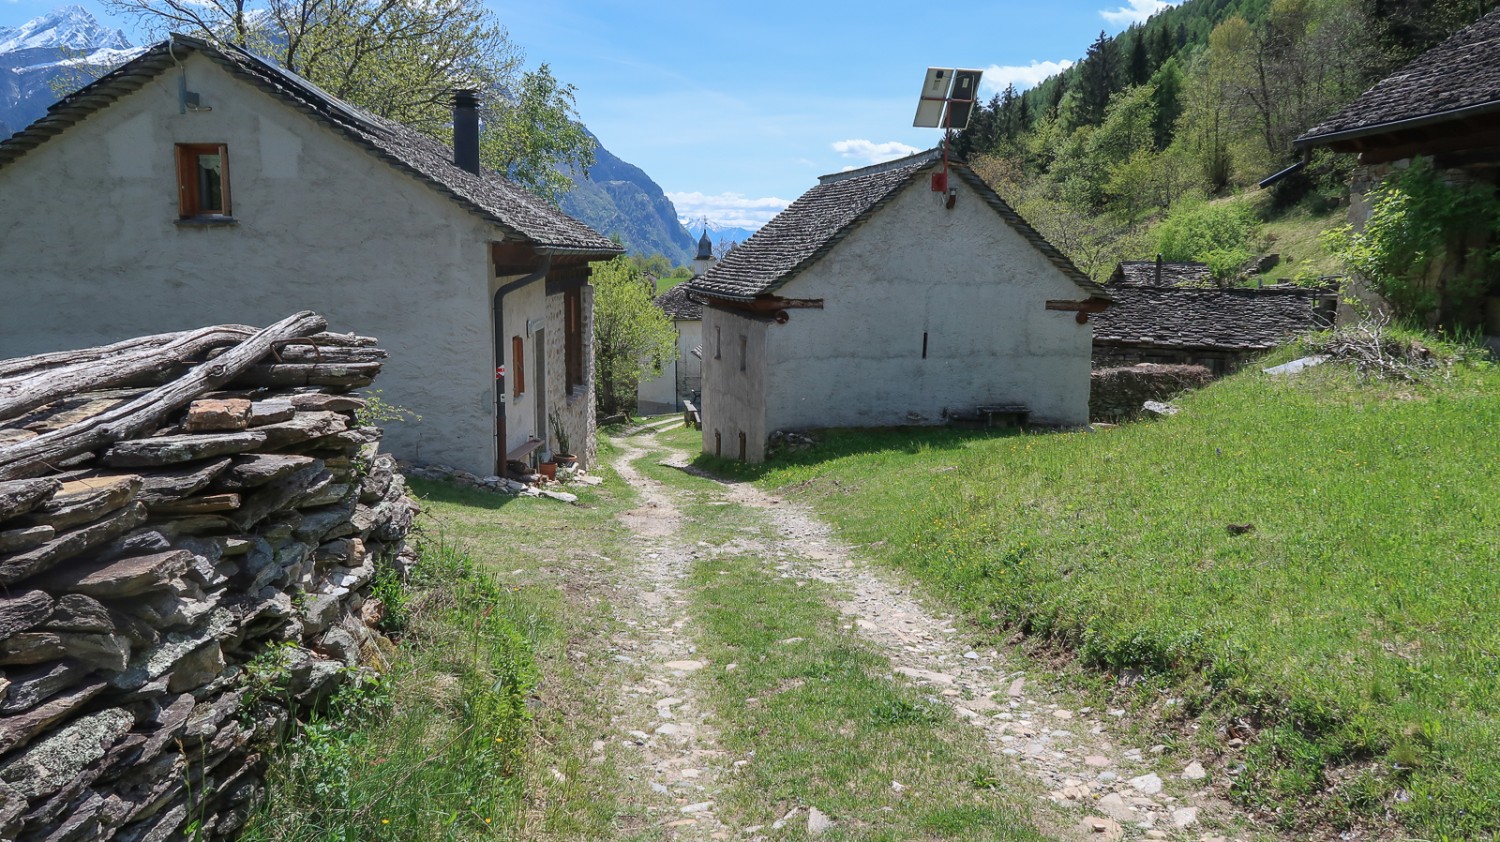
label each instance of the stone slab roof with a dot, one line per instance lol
(822, 217)
(675, 303)
(1142, 273)
(490, 196)
(1219, 319)
(1458, 78)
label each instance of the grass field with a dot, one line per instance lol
(1350, 636)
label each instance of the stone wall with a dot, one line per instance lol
(1116, 394)
(576, 405)
(157, 539)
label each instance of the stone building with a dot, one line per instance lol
(1219, 329)
(201, 185)
(1160, 273)
(681, 377)
(1445, 106)
(903, 293)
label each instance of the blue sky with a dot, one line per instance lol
(735, 109)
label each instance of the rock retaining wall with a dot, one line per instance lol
(194, 507)
(1117, 393)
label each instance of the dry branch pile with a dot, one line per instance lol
(171, 508)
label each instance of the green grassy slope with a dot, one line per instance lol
(1352, 635)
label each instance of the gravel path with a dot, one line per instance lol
(1084, 757)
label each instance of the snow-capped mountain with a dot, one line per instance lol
(63, 48)
(718, 232)
(64, 28)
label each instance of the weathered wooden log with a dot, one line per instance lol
(341, 375)
(30, 390)
(58, 359)
(31, 457)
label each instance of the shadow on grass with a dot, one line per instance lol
(842, 443)
(446, 492)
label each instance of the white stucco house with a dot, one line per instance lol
(682, 376)
(200, 185)
(902, 293)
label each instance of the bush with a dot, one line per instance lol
(1217, 233)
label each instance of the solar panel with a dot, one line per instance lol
(934, 95)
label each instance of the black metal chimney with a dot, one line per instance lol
(466, 129)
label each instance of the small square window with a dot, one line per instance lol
(202, 180)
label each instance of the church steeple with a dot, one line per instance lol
(705, 259)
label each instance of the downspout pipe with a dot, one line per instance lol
(499, 305)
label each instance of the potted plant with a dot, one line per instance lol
(563, 455)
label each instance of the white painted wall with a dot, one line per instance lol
(90, 251)
(735, 376)
(962, 276)
(680, 376)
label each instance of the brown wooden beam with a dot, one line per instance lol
(514, 258)
(1088, 305)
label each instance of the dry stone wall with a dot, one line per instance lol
(172, 509)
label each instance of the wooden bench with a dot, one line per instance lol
(691, 416)
(521, 453)
(1011, 415)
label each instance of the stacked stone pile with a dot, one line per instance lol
(171, 509)
(1117, 394)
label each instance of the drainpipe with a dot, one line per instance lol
(499, 329)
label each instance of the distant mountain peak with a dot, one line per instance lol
(63, 28)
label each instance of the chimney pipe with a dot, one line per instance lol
(1158, 268)
(466, 129)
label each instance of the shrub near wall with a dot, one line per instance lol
(161, 546)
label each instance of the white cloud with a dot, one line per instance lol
(1136, 12)
(870, 152)
(1023, 76)
(733, 210)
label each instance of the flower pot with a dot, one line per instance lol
(548, 469)
(566, 460)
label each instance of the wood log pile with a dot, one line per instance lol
(172, 509)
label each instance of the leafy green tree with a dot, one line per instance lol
(1220, 234)
(632, 336)
(401, 59)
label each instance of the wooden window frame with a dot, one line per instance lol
(573, 337)
(518, 366)
(189, 198)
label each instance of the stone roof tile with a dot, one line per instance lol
(1188, 317)
(675, 303)
(1142, 273)
(823, 216)
(491, 195)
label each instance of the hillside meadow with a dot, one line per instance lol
(1339, 648)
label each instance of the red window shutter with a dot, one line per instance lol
(518, 365)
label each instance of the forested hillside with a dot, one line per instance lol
(1153, 140)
